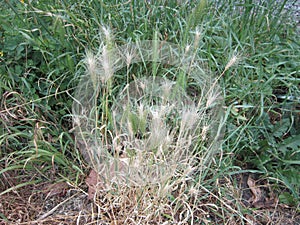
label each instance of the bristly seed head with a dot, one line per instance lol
(234, 60)
(190, 117)
(130, 56)
(212, 97)
(204, 132)
(197, 34)
(91, 62)
(92, 67)
(107, 34)
(197, 37)
(107, 65)
(187, 48)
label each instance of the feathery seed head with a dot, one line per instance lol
(204, 132)
(212, 97)
(197, 37)
(129, 58)
(197, 34)
(166, 88)
(189, 117)
(91, 62)
(234, 60)
(107, 65)
(107, 34)
(130, 55)
(187, 49)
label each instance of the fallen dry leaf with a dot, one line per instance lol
(257, 194)
(92, 181)
(259, 199)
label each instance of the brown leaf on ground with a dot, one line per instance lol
(92, 181)
(259, 198)
(256, 192)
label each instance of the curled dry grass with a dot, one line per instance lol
(151, 145)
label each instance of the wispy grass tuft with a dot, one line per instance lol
(155, 137)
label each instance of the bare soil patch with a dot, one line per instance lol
(60, 203)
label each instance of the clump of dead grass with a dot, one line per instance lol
(151, 143)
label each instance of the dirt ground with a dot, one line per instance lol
(60, 203)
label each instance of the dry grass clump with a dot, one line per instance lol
(145, 205)
(150, 141)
